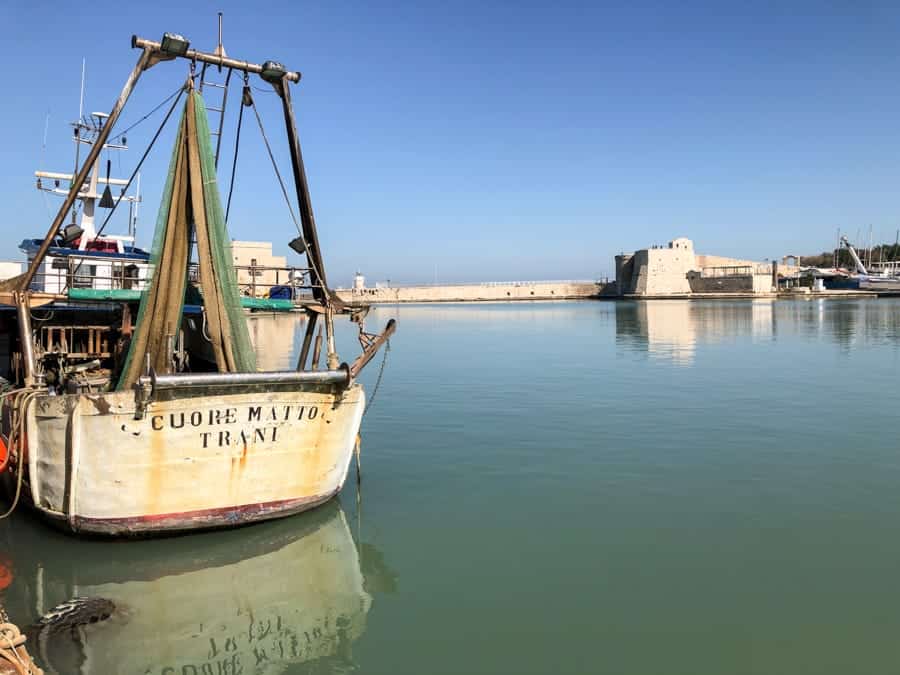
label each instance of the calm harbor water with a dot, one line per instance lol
(582, 487)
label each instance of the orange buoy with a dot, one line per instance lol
(4, 454)
(6, 572)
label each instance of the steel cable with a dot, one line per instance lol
(135, 172)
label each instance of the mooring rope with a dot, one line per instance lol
(12, 649)
(18, 418)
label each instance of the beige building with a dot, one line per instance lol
(257, 268)
(8, 270)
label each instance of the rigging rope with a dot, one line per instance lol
(135, 172)
(237, 144)
(287, 199)
(167, 99)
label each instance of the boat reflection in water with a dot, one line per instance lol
(256, 600)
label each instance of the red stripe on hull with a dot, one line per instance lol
(204, 519)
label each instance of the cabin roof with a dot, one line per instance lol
(130, 253)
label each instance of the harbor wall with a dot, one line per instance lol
(483, 292)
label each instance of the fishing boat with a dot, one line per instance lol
(80, 256)
(110, 425)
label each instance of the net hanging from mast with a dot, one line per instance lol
(190, 206)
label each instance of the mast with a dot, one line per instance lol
(321, 291)
(859, 266)
(23, 281)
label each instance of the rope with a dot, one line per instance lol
(168, 98)
(18, 417)
(237, 144)
(10, 632)
(287, 199)
(12, 650)
(387, 348)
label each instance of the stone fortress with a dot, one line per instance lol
(677, 270)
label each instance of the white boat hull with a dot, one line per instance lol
(194, 460)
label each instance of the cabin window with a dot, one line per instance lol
(84, 278)
(130, 278)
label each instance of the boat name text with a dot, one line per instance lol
(265, 421)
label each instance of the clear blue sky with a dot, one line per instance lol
(505, 140)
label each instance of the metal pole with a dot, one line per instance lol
(143, 63)
(317, 350)
(23, 312)
(373, 348)
(311, 318)
(205, 57)
(338, 376)
(332, 358)
(307, 219)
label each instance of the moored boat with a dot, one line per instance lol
(111, 427)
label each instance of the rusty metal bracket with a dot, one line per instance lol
(144, 393)
(371, 343)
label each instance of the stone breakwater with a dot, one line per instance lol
(483, 292)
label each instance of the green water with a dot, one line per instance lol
(585, 487)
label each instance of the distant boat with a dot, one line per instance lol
(885, 282)
(80, 257)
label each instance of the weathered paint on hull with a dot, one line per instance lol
(195, 460)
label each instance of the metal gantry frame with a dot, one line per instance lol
(170, 48)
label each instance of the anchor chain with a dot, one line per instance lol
(387, 348)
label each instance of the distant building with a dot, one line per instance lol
(257, 268)
(657, 271)
(676, 270)
(9, 270)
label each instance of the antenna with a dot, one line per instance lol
(220, 50)
(81, 100)
(132, 225)
(44, 144)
